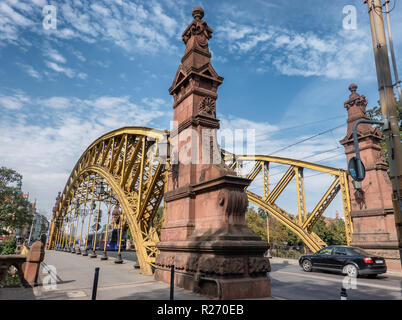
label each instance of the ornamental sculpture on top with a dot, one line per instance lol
(198, 31)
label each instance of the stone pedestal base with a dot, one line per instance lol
(222, 288)
(386, 249)
(220, 269)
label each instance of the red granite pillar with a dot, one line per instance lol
(372, 210)
(205, 235)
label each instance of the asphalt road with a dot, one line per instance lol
(289, 281)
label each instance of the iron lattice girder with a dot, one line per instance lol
(322, 205)
(287, 220)
(304, 225)
(119, 160)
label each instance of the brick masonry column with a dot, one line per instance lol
(205, 235)
(372, 210)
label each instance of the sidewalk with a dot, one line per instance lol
(73, 275)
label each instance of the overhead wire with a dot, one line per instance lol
(306, 139)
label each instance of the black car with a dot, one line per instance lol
(351, 261)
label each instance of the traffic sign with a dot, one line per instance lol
(356, 169)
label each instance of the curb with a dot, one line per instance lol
(284, 260)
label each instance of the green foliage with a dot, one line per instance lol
(257, 223)
(159, 220)
(375, 113)
(8, 246)
(332, 233)
(11, 280)
(14, 208)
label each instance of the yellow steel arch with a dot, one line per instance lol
(303, 224)
(123, 160)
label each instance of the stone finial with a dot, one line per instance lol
(353, 87)
(356, 99)
(198, 13)
(198, 28)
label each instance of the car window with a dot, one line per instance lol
(340, 251)
(325, 251)
(358, 251)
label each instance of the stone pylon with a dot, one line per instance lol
(372, 211)
(205, 235)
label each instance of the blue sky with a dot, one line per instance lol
(109, 64)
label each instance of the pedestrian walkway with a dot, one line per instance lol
(72, 276)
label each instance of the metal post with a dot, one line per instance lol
(30, 232)
(388, 108)
(172, 282)
(68, 239)
(95, 286)
(71, 228)
(391, 48)
(89, 218)
(77, 214)
(104, 257)
(93, 255)
(119, 260)
(82, 227)
(83, 215)
(344, 295)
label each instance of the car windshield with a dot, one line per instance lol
(360, 251)
(325, 251)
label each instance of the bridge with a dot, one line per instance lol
(124, 169)
(190, 216)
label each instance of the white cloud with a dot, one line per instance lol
(132, 26)
(47, 149)
(13, 102)
(154, 102)
(341, 55)
(55, 67)
(55, 55)
(29, 70)
(10, 103)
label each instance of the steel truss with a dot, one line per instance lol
(301, 224)
(122, 162)
(123, 168)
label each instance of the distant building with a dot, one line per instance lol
(328, 221)
(40, 226)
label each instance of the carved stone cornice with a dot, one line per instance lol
(191, 190)
(371, 212)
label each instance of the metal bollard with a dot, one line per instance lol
(344, 295)
(95, 286)
(171, 282)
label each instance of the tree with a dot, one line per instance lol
(332, 233)
(375, 113)
(159, 220)
(14, 208)
(257, 223)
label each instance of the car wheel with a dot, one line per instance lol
(351, 271)
(307, 266)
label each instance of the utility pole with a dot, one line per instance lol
(388, 109)
(391, 48)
